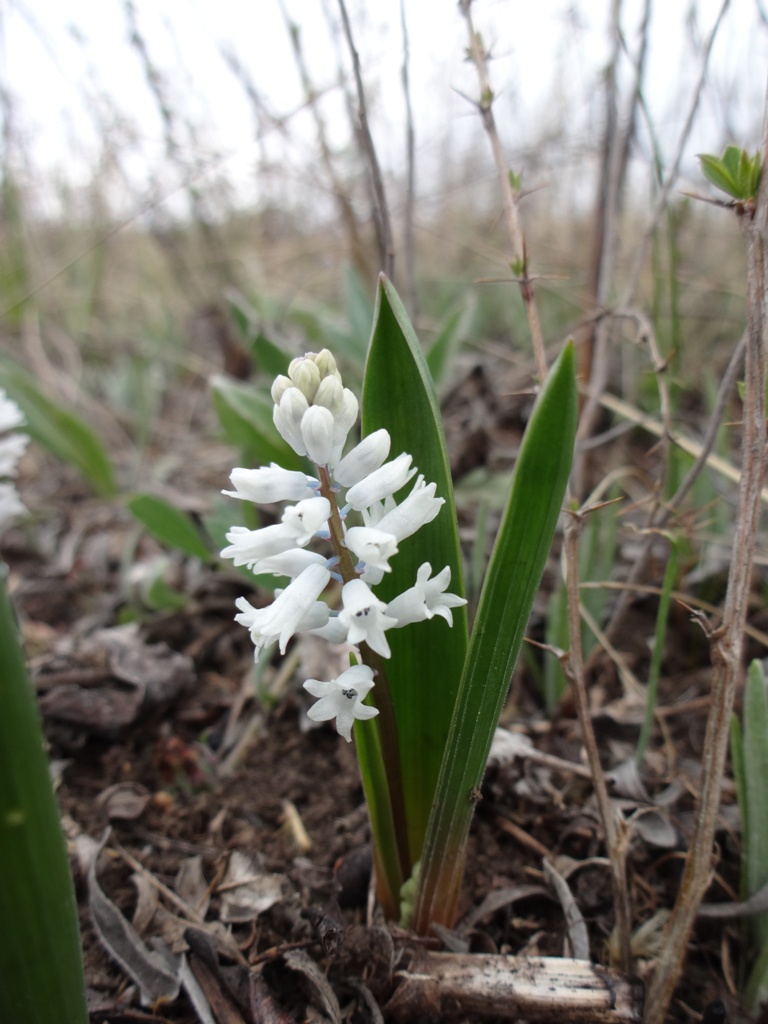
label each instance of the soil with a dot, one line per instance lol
(151, 761)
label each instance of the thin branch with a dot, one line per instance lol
(510, 195)
(615, 832)
(409, 247)
(381, 209)
(727, 641)
(663, 515)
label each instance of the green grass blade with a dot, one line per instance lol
(670, 575)
(427, 657)
(755, 808)
(41, 969)
(511, 582)
(59, 431)
(169, 525)
(245, 415)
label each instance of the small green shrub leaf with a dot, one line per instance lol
(58, 430)
(169, 525)
(245, 415)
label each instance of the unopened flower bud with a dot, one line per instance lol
(317, 434)
(363, 459)
(306, 376)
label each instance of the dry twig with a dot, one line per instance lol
(727, 641)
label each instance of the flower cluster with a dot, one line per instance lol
(314, 414)
(11, 449)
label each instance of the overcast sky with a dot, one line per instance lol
(73, 79)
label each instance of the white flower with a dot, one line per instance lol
(10, 414)
(317, 434)
(382, 483)
(287, 416)
(365, 617)
(246, 547)
(342, 699)
(372, 546)
(288, 563)
(10, 505)
(307, 517)
(343, 421)
(306, 377)
(420, 507)
(11, 450)
(334, 630)
(268, 484)
(426, 599)
(364, 458)
(294, 609)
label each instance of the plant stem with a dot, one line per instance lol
(615, 832)
(727, 641)
(510, 195)
(381, 694)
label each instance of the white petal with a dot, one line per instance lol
(372, 546)
(365, 617)
(11, 449)
(306, 376)
(249, 546)
(342, 699)
(382, 483)
(10, 505)
(364, 458)
(420, 507)
(330, 395)
(10, 414)
(306, 518)
(288, 563)
(317, 434)
(334, 631)
(294, 609)
(345, 417)
(288, 415)
(268, 484)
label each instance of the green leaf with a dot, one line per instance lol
(58, 430)
(169, 525)
(245, 415)
(426, 661)
(716, 172)
(444, 347)
(41, 967)
(270, 358)
(734, 172)
(755, 809)
(511, 583)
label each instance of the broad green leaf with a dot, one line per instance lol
(41, 967)
(64, 435)
(511, 583)
(360, 313)
(245, 414)
(755, 810)
(426, 661)
(445, 345)
(716, 172)
(169, 525)
(735, 172)
(731, 161)
(270, 358)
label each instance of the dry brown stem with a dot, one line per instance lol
(437, 985)
(727, 641)
(615, 832)
(381, 208)
(510, 195)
